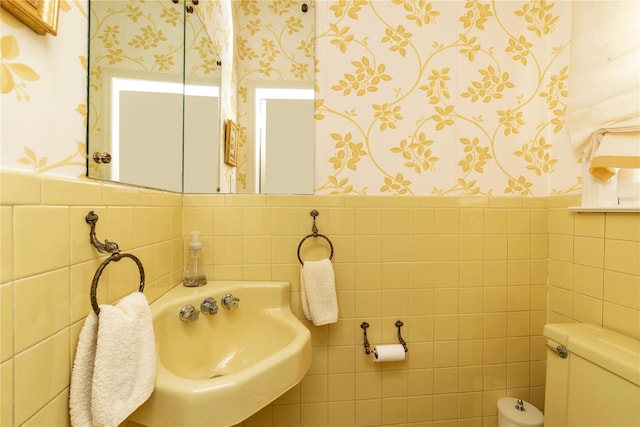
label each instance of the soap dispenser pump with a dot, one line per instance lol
(194, 272)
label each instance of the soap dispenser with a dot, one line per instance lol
(194, 272)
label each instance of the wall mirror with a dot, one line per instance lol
(153, 99)
(275, 91)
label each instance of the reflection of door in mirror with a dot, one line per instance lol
(283, 133)
(275, 49)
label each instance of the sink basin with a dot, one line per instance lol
(220, 369)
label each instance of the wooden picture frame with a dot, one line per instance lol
(39, 15)
(230, 143)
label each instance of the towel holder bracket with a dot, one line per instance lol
(107, 247)
(115, 255)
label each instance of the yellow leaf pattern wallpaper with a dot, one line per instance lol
(443, 98)
(412, 97)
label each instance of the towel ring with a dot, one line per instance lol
(314, 233)
(116, 256)
(110, 248)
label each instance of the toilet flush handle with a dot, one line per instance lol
(560, 350)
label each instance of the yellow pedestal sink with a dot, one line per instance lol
(220, 369)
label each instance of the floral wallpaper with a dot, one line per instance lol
(443, 98)
(43, 94)
(412, 97)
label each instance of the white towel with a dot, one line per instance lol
(115, 364)
(318, 292)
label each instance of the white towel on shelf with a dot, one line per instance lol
(115, 364)
(318, 292)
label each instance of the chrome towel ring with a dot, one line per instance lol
(314, 233)
(113, 249)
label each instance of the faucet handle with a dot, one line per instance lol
(209, 306)
(230, 302)
(189, 314)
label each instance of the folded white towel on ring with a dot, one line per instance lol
(318, 292)
(115, 364)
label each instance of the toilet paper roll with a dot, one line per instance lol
(388, 353)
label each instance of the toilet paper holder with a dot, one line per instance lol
(367, 346)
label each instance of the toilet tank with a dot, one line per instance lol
(597, 384)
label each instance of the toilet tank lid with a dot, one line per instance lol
(611, 350)
(530, 417)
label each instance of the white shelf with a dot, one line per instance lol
(604, 208)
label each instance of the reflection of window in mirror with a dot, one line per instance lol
(143, 131)
(283, 130)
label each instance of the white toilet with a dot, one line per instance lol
(514, 412)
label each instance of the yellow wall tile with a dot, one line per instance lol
(368, 221)
(586, 309)
(19, 188)
(421, 221)
(445, 380)
(471, 221)
(471, 248)
(445, 406)
(589, 251)
(519, 221)
(420, 382)
(470, 326)
(470, 405)
(368, 248)
(341, 386)
(622, 226)
(495, 377)
(6, 321)
(419, 409)
(622, 289)
(495, 221)
(394, 411)
(6, 393)
(621, 319)
(394, 383)
(368, 412)
(495, 247)
(41, 239)
(395, 221)
(395, 248)
(447, 221)
(622, 256)
(470, 353)
(341, 413)
(447, 247)
(120, 195)
(38, 383)
(590, 224)
(34, 325)
(445, 301)
(395, 275)
(55, 413)
(445, 354)
(6, 244)
(56, 191)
